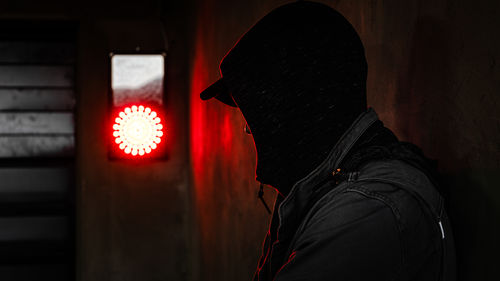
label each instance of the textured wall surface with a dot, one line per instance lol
(133, 219)
(232, 221)
(433, 79)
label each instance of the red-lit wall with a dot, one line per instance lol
(433, 78)
(231, 219)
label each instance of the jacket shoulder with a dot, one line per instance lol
(348, 235)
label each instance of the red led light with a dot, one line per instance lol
(137, 130)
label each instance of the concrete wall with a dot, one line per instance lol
(433, 79)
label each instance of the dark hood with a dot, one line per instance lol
(298, 76)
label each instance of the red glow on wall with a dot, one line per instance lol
(137, 130)
(227, 135)
(199, 140)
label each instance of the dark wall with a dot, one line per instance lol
(133, 219)
(133, 215)
(433, 78)
(232, 222)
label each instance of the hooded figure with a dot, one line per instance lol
(354, 203)
(300, 68)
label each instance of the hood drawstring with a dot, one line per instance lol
(261, 197)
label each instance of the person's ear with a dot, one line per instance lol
(247, 129)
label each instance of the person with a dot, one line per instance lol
(354, 202)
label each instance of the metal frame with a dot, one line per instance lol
(114, 153)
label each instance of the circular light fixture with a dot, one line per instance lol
(137, 130)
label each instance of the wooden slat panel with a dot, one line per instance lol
(41, 272)
(36, 52)
(38, 30)
(34, 252)
(29, 202)
(36, 146)
(41, 207)
(32, 190)
(36, 76)
(37, 99)
(36, 123)
(33, 228)
(34, 162)
(28, 180)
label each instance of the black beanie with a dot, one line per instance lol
(299, 78)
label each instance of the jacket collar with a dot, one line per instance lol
(298, 198)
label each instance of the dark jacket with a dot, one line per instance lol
(384, 220)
